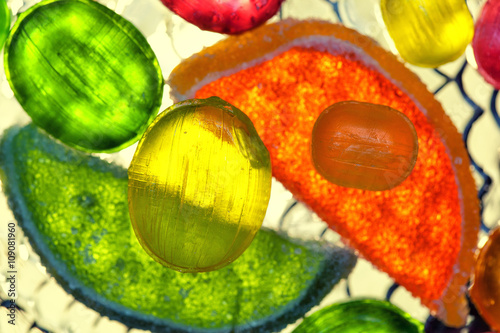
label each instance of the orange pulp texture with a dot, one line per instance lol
(423, 233)
(364, 145)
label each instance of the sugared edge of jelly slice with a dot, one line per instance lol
(236, 53)
(72, 207)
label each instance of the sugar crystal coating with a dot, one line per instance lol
(73, 208)
(283, 75)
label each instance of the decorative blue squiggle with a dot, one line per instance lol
(478, 112)
(493, 106)
(391, 291)
(335, 7)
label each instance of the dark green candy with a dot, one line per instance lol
(360, 316)
(84, 74)
(73, 208)
(4, 21)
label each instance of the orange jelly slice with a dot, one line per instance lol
(423, 233)
(363, 145)
(485, 292)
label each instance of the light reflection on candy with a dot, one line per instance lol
(360, 316)
(199, 185)
(84, 74)
(363, 145)
(486, 43)
(4, 21)
(428, 33)
(225, 16)
(485, 292)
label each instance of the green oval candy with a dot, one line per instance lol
(73, 207)
(84, 74)
(364, 315)
(4, 21)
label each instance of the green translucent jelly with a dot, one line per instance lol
(84, 74)
(199, 185)
(4, 21)
(73, 208)
(428, 33)
(360, 316)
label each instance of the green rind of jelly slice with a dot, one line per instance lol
(84, 74)
(73, 207)
(363, 315)
(4, 21)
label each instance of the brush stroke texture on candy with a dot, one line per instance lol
(225, 16)
(428, 33)
(199, 185)
(73, 207)
(423, 232)
(84, 74)
(486, 43)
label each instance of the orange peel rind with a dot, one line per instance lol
(423, 233)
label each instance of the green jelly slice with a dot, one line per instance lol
(364, 315)
(84, 74)
(73, 207)
(4, 21)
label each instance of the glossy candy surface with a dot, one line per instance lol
(4, 21)
(363, 145)
(428, 33)
(360, 316)
(485, 292)
(84, 74)
(486, 43)
(225, 16)
(199, 185)
(73, 208)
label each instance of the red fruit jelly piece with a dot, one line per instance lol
(486, 43)
(363, 145)
(485, 292)
(225, 16)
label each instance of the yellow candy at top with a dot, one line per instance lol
(199, 185)
(428, 33)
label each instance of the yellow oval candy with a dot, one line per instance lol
(199, 185)
(428, 33)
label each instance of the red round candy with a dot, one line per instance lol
(225, 16)
(363, 145)
(486, 43)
